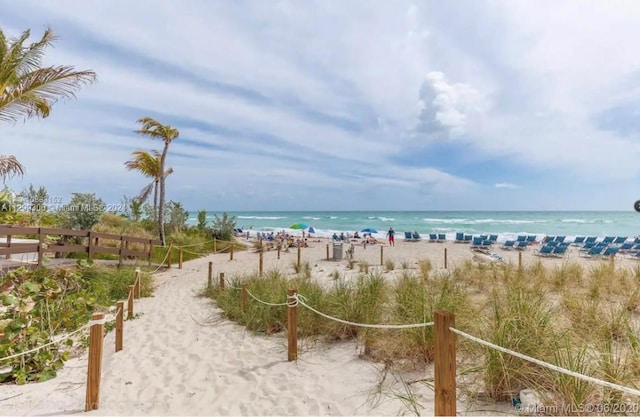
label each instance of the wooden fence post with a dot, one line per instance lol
(90, 246)
(278, 251)
(94, 369)
(445, 258)
(381, 255)
(180, 257)
(169, 251)
(520, 261)
(8, 255)
(40, 246)
(130, 303)
(445, 364)
(136, 283)
(150, 253)
(222, 280)
(119, 324)
(210, 276)
(244, 298)
(299, 253)
(327, 251)
(261, 262)
(121, 251)
(292, 327)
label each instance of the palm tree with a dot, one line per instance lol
(148, 164)
(28, 90)
(155, 130)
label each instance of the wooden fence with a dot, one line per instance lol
(93, 245)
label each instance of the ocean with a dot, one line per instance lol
(506, 224)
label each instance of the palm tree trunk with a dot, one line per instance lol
(162, 195)
(155, 200)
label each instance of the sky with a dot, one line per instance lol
(343, 105)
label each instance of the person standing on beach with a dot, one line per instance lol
(391, 235)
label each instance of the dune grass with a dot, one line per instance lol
(582, 319)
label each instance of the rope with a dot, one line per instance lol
(266, 303)
(301, 300)
(194, 244)
(547, 365)
(54, 342)
(163, 261)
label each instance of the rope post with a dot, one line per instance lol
(292, 326)
(327, 251)
(180, 257)
(210, 276)
(136, 289)
(299, 253)
(169, 256)
(119, 324)
(243, 297)
(278, 251)
(381, 255)
(445, 364)
(222, 280)
(520, 261)
(130, 303)
(214, 245)
(231, 252)
(261, 263)
(94, 369)
(445, 258)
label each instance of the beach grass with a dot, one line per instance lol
(582, 319)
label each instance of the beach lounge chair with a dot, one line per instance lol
(476, 243)
(521, 245)
(590, 239)
(608, 239)
(619, 240)
(493, 238)
(610, 251)
(459, 238)
(521, 238)
(594, 251)
(545, 250)
(531, 239)
(433, 237)
(578, 241)
(625, 247)
(484, 237)
(508, 245)
(468, 238)
(416, 236)
(559, 238)
(408, 236)
(560, 250)
(636, 240)
(442, 238)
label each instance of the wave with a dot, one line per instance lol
(311, 218)
(386, 219)
(585, 221)
(262, 217)
(482, 221)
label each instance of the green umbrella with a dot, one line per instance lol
(298, 226)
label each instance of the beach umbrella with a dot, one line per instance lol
(298, 226)
(369, 230)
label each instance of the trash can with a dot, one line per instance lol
(337, 251)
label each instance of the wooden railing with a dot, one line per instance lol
(93, 247)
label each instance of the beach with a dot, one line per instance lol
(181, 357)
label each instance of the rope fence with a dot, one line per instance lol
(445, 348)
(96, 341)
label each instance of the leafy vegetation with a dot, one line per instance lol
(39, 305)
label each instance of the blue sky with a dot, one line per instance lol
(350, 105)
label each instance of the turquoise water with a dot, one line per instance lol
(505, 224)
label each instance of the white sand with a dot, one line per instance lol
(181, 358)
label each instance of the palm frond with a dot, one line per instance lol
(145, 192)
(147, 163)
(156, 130)
(34, 93)
(31, 58)
(10, 167)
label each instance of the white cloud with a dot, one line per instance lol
(506, 185)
